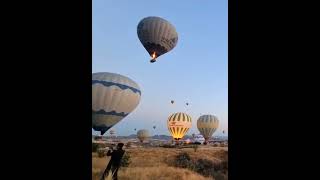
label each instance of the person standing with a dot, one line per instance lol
(115, 161)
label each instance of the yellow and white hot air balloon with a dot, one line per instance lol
(143, 135)
(207, 125)
(157, 36)
(179, 124)
(113, 97)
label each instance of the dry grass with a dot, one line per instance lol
(154, 164)
(159, 173)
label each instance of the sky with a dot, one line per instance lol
(195, 71)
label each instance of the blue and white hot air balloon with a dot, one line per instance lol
(113, 97)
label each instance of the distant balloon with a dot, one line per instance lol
(187, 104)
(112, 132)
(179, 124)
(143, 135)
(157, 36)
(223, 131)
(135, 129)
(113, 97)
(172, 101)
(207, 125)
(154, 127)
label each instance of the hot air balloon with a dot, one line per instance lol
(143, 135)
(135, 129)
(154, 127)
(187, 104)
(207, 125)
(112, 132)
(113, 97)
(157, 36)
(179, 124)
(223, 131)
(172, 101)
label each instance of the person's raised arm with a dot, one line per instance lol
(109, 153)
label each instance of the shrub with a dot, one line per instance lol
(195, 147)
(215, 145)
(101, 152)
(95, 147)
(222, 166)
(168, 146)
(125, 161)
(204, 167)
(183, 160)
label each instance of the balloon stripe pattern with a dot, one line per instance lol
(207, 125)
(157, 35)
(179, 124)
(113, 97)
(121, 86)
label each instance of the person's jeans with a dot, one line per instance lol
(114, 171)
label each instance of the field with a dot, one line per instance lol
(157, 163)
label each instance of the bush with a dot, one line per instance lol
(168, 146)
(125, 161)
(222, 166)
(195, 147)
(183, 160)
(101, 152)
(95, 147)
(202, 166)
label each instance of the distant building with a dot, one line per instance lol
(198, 139)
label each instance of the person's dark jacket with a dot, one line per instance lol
(116, 156)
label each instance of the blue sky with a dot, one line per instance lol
(195, 71)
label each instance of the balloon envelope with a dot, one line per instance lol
(207, 125)
(157, 36)
(179, 124)
(113, 97)
(143, 135)
(112, 132)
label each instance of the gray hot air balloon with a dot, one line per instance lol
(207, 125)
(113, 97)
(157, 36)
(112, 132)
(143, 135)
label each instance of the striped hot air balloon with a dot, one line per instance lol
(157, 36)
(179, 124)
(143, 135)
(207, 125)
(113, 97)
